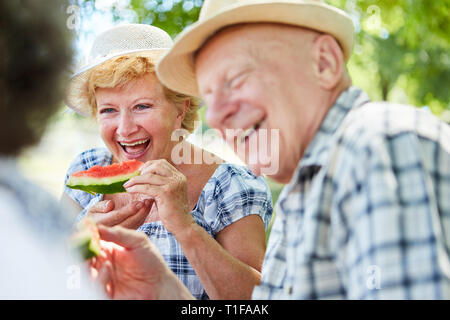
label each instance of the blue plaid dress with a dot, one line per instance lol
(367, 212)
(231, 193)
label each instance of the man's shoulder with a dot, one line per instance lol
(384, 120)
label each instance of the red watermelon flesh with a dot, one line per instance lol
(105, 180)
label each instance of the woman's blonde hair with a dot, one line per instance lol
(124, 69)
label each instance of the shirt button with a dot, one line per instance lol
(288, 290)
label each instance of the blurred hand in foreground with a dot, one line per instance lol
(131, 267)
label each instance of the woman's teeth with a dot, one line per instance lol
(124, 144)
(134, 147)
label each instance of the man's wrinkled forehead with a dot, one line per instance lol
(291, 34)
(219, 34)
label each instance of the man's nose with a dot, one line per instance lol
(219, 112)
(127, 125)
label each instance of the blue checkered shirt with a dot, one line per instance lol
(367, 212)
(231, 193)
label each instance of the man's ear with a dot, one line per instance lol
(328, 61)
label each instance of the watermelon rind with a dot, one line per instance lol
(84, 245)
(86, 240)
(103, 186)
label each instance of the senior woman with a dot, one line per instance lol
(207, 220)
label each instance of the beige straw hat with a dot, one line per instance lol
(142, 40)
(176, 68)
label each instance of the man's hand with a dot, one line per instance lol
(130, 216)
(131, 267)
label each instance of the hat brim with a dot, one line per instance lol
(176, 68)
(76, 96)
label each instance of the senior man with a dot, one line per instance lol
(366, 210)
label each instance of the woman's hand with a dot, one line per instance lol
(167, 186)
(131, 267)
(130, 216)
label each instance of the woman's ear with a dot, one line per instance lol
(182, 109)
(328, 61)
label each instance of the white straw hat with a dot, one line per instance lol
(142, 40)
(176, 68)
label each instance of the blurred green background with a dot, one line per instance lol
(401, 54)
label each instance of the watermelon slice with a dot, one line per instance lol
(86, 240)
(105, 180)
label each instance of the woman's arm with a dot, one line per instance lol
(230, 267)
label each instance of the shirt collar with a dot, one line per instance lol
(317, 152)
(351, 98)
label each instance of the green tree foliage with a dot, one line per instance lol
(402, 50)
(172, 16)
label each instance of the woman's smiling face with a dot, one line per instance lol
(136, 121)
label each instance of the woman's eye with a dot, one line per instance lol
(106, 110)
(142, 106)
